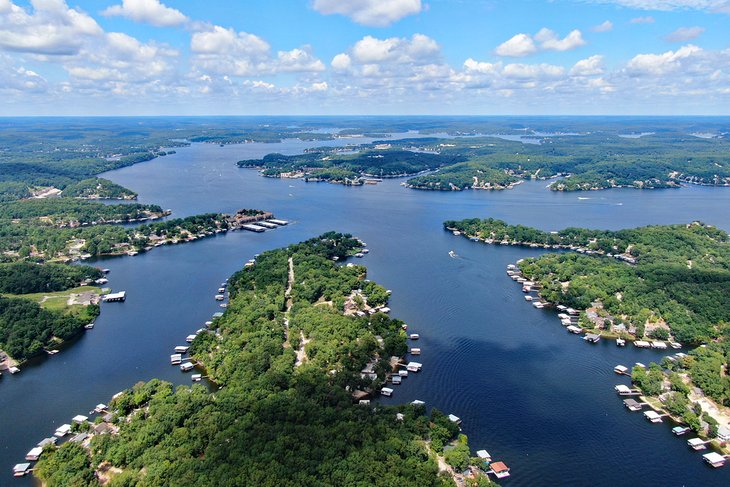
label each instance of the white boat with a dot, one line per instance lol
(90, 326)
(452, 254)
(620, 342)
(414, 336)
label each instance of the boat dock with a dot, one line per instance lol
(118, 297)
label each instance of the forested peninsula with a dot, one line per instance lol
(287, 363)
(650, 283)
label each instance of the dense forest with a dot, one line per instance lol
(26, 328)
(98, 188)
(276, 419)
(329, 164)
(27, 277)
(71, 212)
(587, 161)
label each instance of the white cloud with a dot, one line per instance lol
(472, 66)
(51, 28)
(375, 13)
(419, 49)
(684, 34)
(298, 60)
(341, 62)
(532, 71)
(522, 45)
(549, 40)
(642, 20)
(227, 52)
(147, 11)
(591, 66)
(17, 79)
(605, 26)
(662, 64)
(518, 46)
(721, 6)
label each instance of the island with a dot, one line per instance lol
(338, 165)
(292, 376)
(654, 286)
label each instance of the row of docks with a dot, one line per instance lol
(713, 459)
(262, 226)
(80, 430)
(569, 317)
(179, 358)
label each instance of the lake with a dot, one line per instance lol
(533, 395)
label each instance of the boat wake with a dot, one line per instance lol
(452, 254)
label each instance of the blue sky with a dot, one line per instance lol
(188, 57)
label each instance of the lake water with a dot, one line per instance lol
(530, 393)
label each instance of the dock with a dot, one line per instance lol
(592, 338)
(697, 444)
(253, 228)
(118, 297)
(622, 370)
(714, 459)
(275, 221)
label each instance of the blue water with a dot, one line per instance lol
(533, 395)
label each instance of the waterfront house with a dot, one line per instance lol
(723, 433)
(79, 438)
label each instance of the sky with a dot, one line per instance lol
(364, 57)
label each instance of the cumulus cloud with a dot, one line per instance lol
(148, 12)
(591, 66)
(375, 13)
(549, 40)
(50, 28)
(605, 26)
(17, 79)
(419, 49)
(227, 52)
(684, 34)
(665, 63)
(522, 45)
(518, 46)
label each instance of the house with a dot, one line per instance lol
(723, 433)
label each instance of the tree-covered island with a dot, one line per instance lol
(651, 284)
(292, 361)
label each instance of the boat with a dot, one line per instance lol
(620, 342)
(90, 326)
(675, 345)
(219, 297)
(414, 336)
(452, 254)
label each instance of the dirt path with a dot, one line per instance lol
(287, 294)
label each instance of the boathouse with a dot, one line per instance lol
(500, 470)
(121, 296)
(714, 459)
(633, 404)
